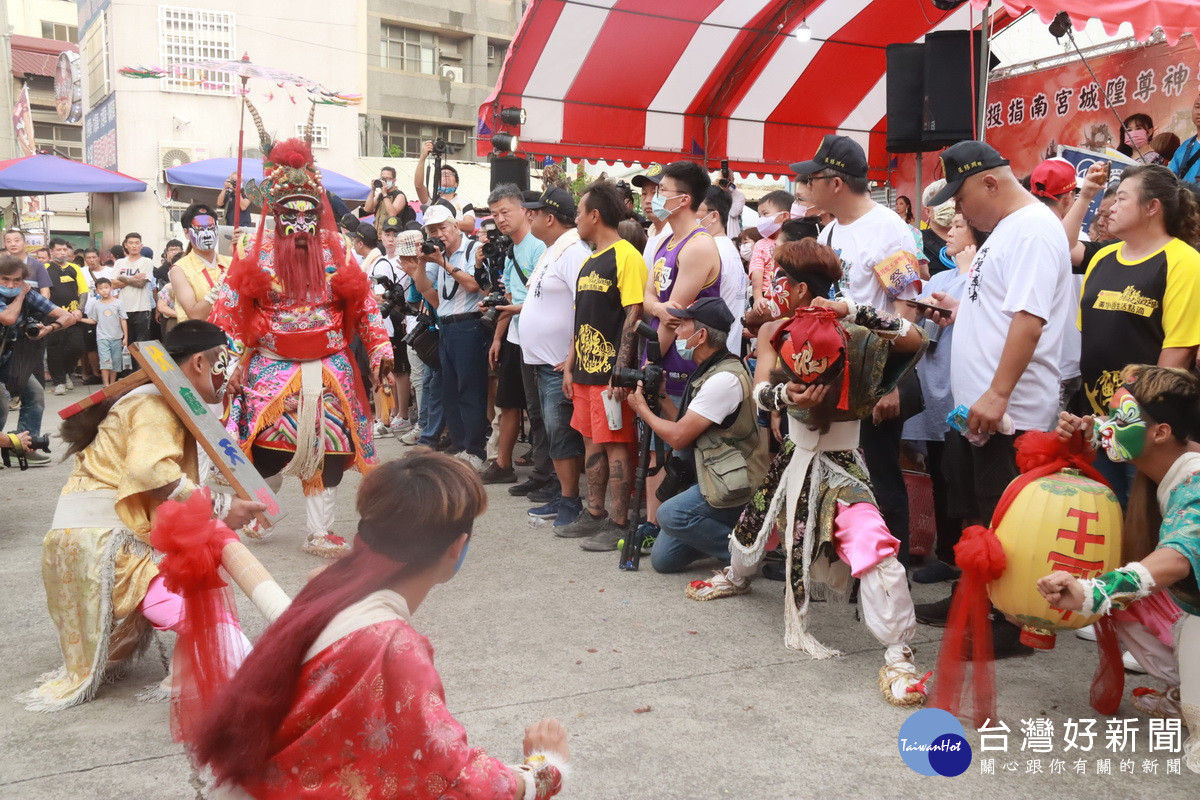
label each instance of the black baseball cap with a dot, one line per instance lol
(836, 152)
(710, 311)
(653, 175)
(555, 199)
(392, 224)
(961, 161)
(366, 232)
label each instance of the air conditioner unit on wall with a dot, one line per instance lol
(176, 154)
(453, 73)
(456, 136)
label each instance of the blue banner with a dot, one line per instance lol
(100, 134)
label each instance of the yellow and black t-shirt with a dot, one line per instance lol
(609, 281)
(1132, 310)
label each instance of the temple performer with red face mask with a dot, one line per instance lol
(293, 301)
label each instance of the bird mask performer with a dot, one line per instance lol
(196, 277)
(293, 301)
(1151, 425)
(131, 454)
(836, 359)
(340, 697)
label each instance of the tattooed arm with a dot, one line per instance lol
(627, 354)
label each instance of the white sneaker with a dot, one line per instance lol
(400, 426)
(70, 383)
(380, 429)
(60, 389)
(1087, 633)
(474, 461)
(1131, 663)
(412, 437)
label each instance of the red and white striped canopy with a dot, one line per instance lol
(659, 80)
(1174, 17)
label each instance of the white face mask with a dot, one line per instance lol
(746, 250)
(768, 227)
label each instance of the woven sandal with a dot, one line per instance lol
(721, 586)
(1157, 704)
(915, 693)
(326, 545)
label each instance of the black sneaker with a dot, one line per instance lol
(936, 571)
(526, 486)
(544, 494)
(494, 473)
(937, 613)
(1006, 640)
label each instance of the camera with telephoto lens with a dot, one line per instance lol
(35, 443)
(492, 315)
(422, 324)
(32, 328)
(651, 375)
(433, 245)
(439, 146)
(391, 298)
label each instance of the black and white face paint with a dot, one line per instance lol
(203, 232)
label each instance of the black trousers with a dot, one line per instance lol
(139, 326)
(269, 462)
(63, 349)
(949, 530)
(881, 450)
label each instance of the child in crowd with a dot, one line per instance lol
(112, 330)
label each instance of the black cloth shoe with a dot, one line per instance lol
(544, 494)
(936, 572)
(937, 613)
(494, 473)
(526, 486)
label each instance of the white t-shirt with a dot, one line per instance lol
(652, 244)
(864, 243)
(1023, 266)
(548, 313)
(133, 298)
(1072, 337)
(376, 264)
(90, 277)
(718, 397)
(733, 288)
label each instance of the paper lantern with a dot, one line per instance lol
(1063, 521)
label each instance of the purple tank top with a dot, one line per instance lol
(666, 270)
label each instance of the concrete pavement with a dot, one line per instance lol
(533, 627)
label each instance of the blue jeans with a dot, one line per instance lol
(429, 415)
(33, 403)
(691, 530)
(565, 441)
(463, 349)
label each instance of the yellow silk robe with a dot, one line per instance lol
(96, 577)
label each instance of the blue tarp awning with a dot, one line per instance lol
(211, 173)
(47, 174)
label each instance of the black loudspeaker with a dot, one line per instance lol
(951, 64)
(510, 169)
(906, 98)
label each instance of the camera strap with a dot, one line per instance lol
(521, 276)
(442, 277)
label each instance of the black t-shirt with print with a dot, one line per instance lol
(608, 282)
(64, 285)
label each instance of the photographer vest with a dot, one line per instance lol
(731, 457)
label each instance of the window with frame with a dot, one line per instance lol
(63, 140)
(402, 138)
(60, 32)
(408, 49)
(320, 135)
(186, 34)
(96, 61)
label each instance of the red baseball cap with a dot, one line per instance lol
(1052, 178)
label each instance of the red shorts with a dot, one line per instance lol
(590, 420)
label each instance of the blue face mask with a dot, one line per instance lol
(447, 189)
(9, 292)
(684, 351)
(462, 556)
(659, 207)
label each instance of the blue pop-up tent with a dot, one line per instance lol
(47, 174)
(211, 173)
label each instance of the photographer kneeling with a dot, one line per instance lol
(717, 421)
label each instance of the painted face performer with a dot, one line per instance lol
(294, 299)
(196, 277)
(1151, 425)
(340, 697)
(132, 453)
(839, 359)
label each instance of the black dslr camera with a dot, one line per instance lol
(36, 443)
(391, 298)
(651, 375)
(439, 147)
(433, 244)
(489, 275)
